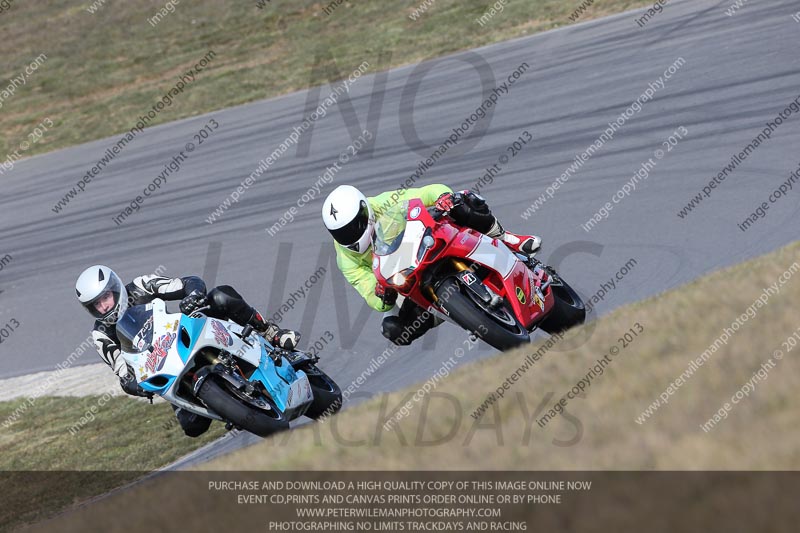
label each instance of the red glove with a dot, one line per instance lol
(387, 295)
(444, 202)
(448, 201)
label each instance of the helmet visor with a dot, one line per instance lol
(351, 232)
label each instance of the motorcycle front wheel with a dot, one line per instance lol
(259, 415)
(498, 327)
(568, 308)
(327, 394)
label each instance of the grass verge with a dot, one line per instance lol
(104, 69)
(125, 440)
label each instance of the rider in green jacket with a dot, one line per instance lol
(350, 218)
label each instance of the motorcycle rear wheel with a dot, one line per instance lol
(260, 419)
(498, 328)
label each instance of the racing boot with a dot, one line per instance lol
(409, 324)
(264, 328)
(523, 244)
(283, 338)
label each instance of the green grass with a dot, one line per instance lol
(104, 70)
(39, 456)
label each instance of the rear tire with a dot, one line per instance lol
(568, 309)
(469, 315)
(218, 397)
(327, 394)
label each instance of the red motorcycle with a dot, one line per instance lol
(468, 278)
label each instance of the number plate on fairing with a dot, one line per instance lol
(299, 392)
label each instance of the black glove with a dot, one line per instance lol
(130, 386)
(192, 302)
(387, 295)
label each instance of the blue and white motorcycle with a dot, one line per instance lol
(223, 371)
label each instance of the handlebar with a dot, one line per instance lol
(198, 313)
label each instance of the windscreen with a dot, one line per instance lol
(389, 229)
(135, 329)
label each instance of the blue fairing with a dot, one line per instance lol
(276, 379)
(270, 375)
(193, 327)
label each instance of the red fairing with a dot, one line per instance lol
(508, 276)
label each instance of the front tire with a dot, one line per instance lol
(501, 332)
(568, 309)
(262, 420)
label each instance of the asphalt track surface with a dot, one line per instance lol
(739, 72)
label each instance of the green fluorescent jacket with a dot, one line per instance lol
(357, 268)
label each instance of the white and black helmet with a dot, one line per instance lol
(349, 217)
(98, 283)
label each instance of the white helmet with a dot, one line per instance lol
(349, 217)
(96, 286)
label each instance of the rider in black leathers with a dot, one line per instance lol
(102, 293)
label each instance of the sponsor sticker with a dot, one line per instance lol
(538, 297)
(521, 295)
(155, 361)
(221, 335)
(139, 339)
(469, 278)
(415, 212)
